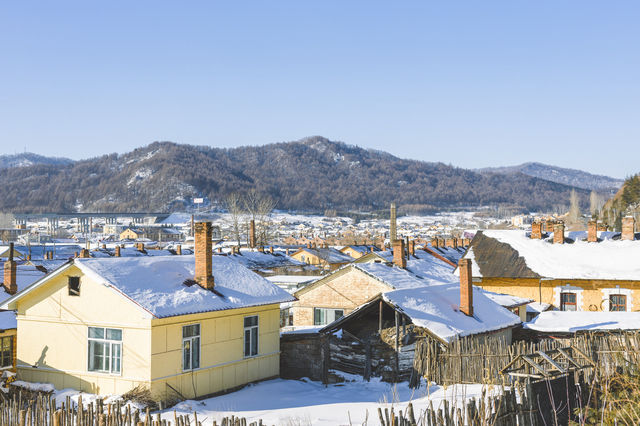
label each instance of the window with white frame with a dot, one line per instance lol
(105, 350)
(190, 347)
(617, 302)
(251, 335)
(568, 301)
(322, 316)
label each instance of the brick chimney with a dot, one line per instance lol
(465, 242)
(592, 231)
(104, 246)
(434, 242)
(628, 228)
(117, 251)
(392, 223)
(203, 254)
(398, 254)
(412, 247)
(179, 249)
(10, 273)
(84, 253)
(252, 233)
(558, 233)
(466, 287)
(271, 249)
(536, 231)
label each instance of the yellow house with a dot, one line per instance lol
(131, 234)
(323, 257)
(357, 251)
(175, 326)
(576, 271)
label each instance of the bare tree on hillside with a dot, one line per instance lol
(595, 204)
(234, 205)
(574, 208)
(259, 206)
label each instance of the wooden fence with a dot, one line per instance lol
(474, 361)
(40, 409)
(545, 403)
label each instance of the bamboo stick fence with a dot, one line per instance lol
(471, 360)
(41, 410)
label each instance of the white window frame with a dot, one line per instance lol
(607, 292)
(325, 311)
(108, 343)
(252, 344)
(193, 341)
(568, 288)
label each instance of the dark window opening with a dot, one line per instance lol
(74, 286)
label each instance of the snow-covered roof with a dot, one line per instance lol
(158, 284)
(570, 322)
(436, 308)
(506, 300)
(537, 307)
(254, 259)
(363, 249)
(292, 279)
(608, 259)
(330, 255)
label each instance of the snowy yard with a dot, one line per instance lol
(303, 402)
(295, 402)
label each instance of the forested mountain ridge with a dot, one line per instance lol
(572, 177)
(29, 159)
(625, 202)
(313, 174)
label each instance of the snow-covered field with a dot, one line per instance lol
(304, 402)
(301, 402)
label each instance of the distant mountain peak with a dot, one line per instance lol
(26, 159)
(565, 176)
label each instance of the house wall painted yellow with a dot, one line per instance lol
(222, 363)
(591, 295)
(129, 234)
(312, 259)
(53, 348)
(53, 335)
(353, 253)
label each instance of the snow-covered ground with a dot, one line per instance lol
(301, 402)
(304, 402)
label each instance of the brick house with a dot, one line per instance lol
(346, 289)
(575, 271)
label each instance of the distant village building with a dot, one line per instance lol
(326, 258)
(570, 271)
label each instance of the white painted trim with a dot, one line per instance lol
(606, 292)
(567, 289)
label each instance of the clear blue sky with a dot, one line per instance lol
(476, 83)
